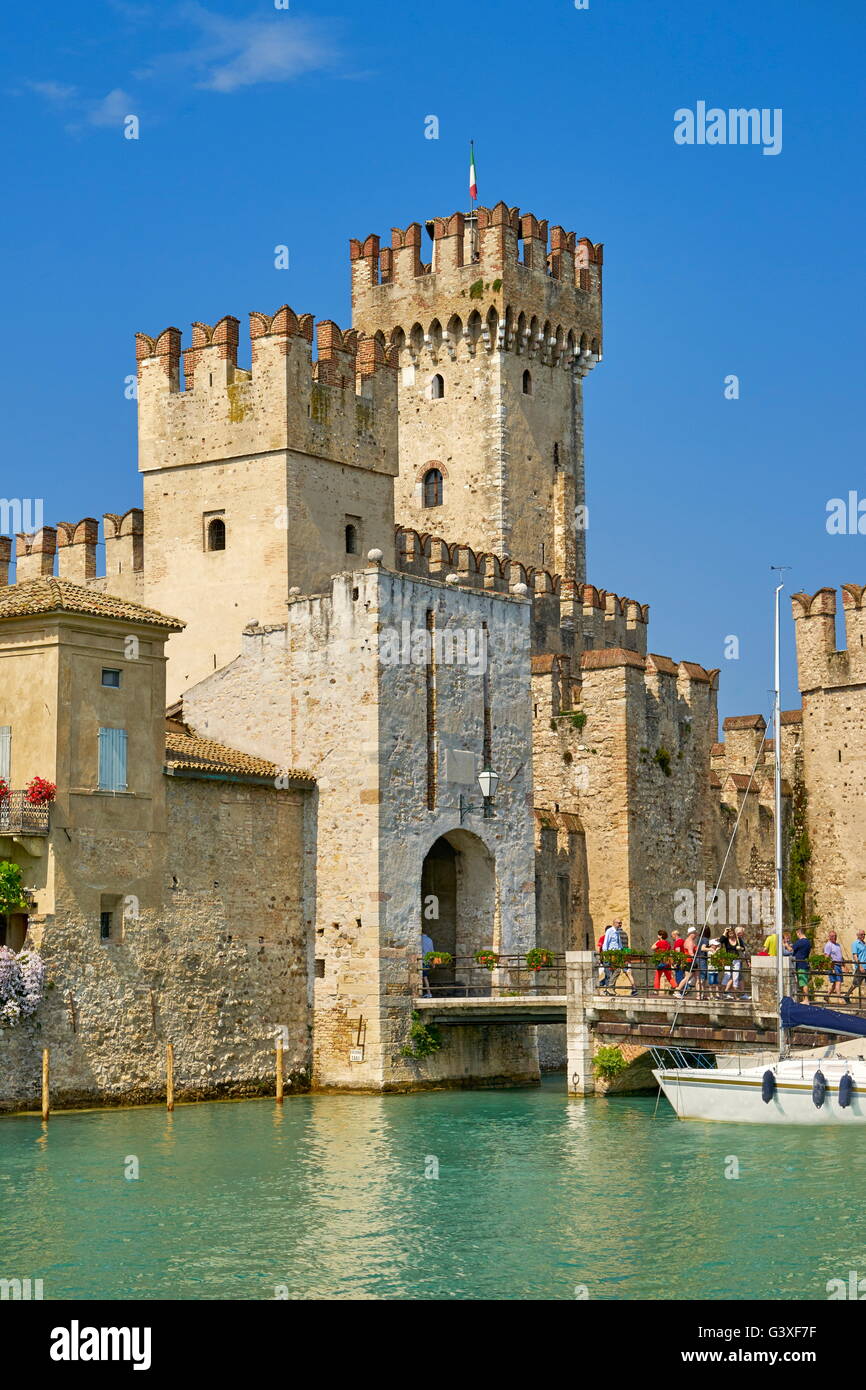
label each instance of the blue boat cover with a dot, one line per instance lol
(796, 1015)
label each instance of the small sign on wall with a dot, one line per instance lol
(356, 1054)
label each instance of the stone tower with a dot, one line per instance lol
(494, 337)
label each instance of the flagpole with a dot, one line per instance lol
(473, 198)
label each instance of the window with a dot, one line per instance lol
(112, 760)
(216, 534)
(433, 488)
(437, 388)
(527, 383)
(351, 540)
(105, 919)
(111, 678)
(6, 752)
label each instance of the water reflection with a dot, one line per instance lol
(517, 1194)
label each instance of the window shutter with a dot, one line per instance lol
(5, 751)
(112, 760)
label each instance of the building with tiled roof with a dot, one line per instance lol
(51, 595)
(187, 754)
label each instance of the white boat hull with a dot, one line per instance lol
(734, 1097)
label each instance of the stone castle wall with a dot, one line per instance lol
(214, 956)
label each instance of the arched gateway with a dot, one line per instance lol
(458, 894)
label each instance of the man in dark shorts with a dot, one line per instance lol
(801, 952)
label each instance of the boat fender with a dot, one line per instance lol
(768, 1086)
(819, 1088)
(846, 1088)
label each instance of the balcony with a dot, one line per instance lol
(19, 817)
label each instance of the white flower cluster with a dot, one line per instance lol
(22, 985)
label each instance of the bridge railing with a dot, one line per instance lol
(624, 973)
(466, 978)
(835, 985)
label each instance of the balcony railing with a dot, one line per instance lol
(19, 817)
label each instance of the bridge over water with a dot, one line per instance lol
(569, 993)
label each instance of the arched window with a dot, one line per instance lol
(351, 540)
(527, 383)
(433, 488)
(437, 388)
(216, 534)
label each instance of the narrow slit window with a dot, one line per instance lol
(216, 534)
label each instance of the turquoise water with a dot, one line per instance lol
(327, 1197)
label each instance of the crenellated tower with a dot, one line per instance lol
(493, 339)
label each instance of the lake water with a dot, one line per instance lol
(537, 1196)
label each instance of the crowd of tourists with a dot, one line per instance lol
(693, 961)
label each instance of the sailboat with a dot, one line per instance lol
(806, 1088)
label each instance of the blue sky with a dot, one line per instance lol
(261, 126)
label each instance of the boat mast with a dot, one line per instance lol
(777, 788)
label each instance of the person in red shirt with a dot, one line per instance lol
(679, 949)
(662, 947)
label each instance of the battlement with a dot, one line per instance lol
(565, 614)
(746, 757)
(820, 664)
(70, 547)
(342, 405)
(545, 302)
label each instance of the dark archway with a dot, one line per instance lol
(458, 897)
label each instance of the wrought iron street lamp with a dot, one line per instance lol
(488, 781)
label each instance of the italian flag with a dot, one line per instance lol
(473, 181)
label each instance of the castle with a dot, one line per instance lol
(376, 565)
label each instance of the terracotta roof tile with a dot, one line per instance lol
(745, 721)
(542, 665)
(661, 663)
(186, 752)
(717, 750)
(742, 782)
(50, 595)
(602, 657)
(696, 672)
(791, 716)
(715, 779)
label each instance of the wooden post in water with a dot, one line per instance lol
(279, 1071)
(46, 1107)
(169, 1076)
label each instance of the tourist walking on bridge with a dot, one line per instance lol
(801, 951)
(662, 949)
(833, 950)
(858, 955)
(689, 948)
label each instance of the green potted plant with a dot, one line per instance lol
(539, 958)
(489, 959)
(433, 958)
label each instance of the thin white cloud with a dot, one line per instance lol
(222, 55)
(56, 92)
(228, 54)
(110, 110)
